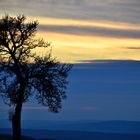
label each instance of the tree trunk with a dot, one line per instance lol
(16, 122)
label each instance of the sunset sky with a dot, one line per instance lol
(83, 31)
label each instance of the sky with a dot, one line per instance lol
(100, 29)
(100, 90)
(84, 30)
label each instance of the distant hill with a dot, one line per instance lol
(132, 127)
(75, 135)
(128, 127)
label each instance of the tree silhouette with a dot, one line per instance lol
(24, 74)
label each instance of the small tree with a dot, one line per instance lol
(24, 74)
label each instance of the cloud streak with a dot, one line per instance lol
(89, 108)
(26, 107)
(88, 27)
(133, 48)
(87, 23)
(112, 10)
(91, 31)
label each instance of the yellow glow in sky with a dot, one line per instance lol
(72, 47)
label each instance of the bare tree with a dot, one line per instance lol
(24, 74)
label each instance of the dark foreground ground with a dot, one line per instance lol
(70, 135)
(8, 137)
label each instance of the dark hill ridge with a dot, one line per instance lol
(89, 126)
(121, 127)
(75, 135)
(109, 126)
